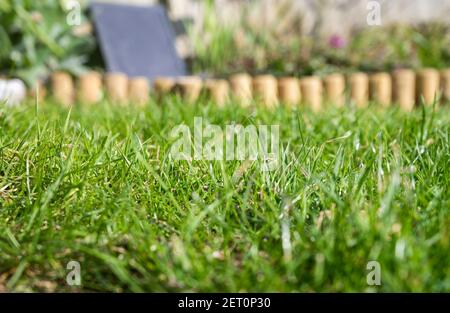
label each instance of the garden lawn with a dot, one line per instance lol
(96, 185)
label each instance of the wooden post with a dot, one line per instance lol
(359, 89)
(335, 89)
(117, 87)
(90, 87)
(311, 89)
(139, 90)
(62, 88)
(289, 91)
(163, 86)
(218, 90)
(265, 89)
(189, 88)
(241, 88)
(445, 78)
(428, 86)
(404, 88)
(381, 89)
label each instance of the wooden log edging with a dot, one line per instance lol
(311, 89)
(359, 89)
(189, 88)
(139, 90)
(428, 86)
(90, 87)
(63, 88)
(241, 88)
(335, 89)
(265, 88)
(218, 90)
(116, 85)
(445, 84)
(381, 89)
(403, 87)
(289, 91)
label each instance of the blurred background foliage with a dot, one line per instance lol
(279, 45)
(36, 39)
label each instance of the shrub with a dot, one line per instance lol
(36, 38)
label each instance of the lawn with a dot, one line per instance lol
(96, 185)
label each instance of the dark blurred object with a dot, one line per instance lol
(137, 40)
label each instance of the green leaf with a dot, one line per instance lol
(5, 43)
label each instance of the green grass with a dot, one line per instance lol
(96, 185)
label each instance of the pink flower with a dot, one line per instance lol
(337, 42)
